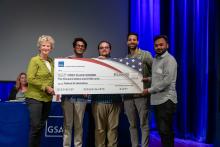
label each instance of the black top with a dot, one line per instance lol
(13, 93)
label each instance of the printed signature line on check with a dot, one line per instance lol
(95, 84)
(72, 71)
(116, 79)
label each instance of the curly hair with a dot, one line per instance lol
(45, 38)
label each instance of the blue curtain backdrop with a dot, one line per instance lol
(145, 20)
(190, 27)
(217, 63)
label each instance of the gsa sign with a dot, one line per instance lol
(54, 126)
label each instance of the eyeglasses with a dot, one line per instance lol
(106, 47)
(78, 45)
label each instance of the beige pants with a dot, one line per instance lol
(73, 116)
(106, 118)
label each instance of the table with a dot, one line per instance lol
(14, 126)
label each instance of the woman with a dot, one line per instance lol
(17, 92)
(40, 88)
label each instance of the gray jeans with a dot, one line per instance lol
(134, 107)
(38, 112)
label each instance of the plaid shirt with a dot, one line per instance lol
(74, 98)
(106, 98)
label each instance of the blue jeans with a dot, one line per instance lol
(38, 112)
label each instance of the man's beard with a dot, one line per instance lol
(161, 53)
(106, 55)
(133, 47)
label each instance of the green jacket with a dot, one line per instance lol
(39, 77)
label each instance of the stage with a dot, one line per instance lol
(14, 126)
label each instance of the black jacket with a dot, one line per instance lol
(13, 93)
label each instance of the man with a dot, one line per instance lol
(138, 103)
(106, 110)
(74, 105)
(162, 90)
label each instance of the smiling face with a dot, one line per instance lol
(23, 79)
(79, 48)
(160, 46)
(45, 48)
(132, 42)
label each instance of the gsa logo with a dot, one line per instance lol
(61, 64)
(54, 126)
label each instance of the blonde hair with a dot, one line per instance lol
(45, 38)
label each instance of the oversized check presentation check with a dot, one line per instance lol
(98, 76)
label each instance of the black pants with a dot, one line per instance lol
(38, 112)
(164, 118)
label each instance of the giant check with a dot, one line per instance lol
(98, 76)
